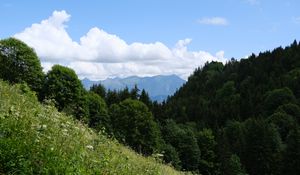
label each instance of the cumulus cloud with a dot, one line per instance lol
(99, 54)
(217, 21)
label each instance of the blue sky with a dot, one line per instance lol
(214, 29)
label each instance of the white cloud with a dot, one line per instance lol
(99, 55)
(217, 21)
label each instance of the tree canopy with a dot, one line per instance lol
(134, 124)
(63, 85)
(20, 64)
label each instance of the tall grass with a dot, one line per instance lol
(37, 139)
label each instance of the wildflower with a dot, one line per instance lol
(41, 127)
(89, 147)
(158, 155)
(65, 132)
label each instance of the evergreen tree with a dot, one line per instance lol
(144, 97)
(207, 146)
(134, 125)
(235, 165)
(263, 147)
(291, 160)
(134, 93)
(185, 143)
(112, 97)
(99, 89)
(171, 156)
(124, 94)
(234, 132)
(98, 113)
(283, 123)
(278, 97)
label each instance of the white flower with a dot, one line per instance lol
(89, 147)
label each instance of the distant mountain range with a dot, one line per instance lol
(159, 87)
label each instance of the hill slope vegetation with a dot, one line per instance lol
(251, 106)
(37, 139)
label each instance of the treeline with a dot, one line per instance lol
(238, 118)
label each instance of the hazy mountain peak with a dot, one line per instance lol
(159, 87)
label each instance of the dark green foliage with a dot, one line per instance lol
(63, 85)
(291, 79)
(134, 93)
(207, 145)
(290, 109)
(99, 89)
(231, 146)
(124, 94)
(278, 97)
(283, 123)
(98, 113)
(239, 89)
(234, 133)
(185, 143)
(188, 150)
(171, 156)
(291, 160)
(144, 97)
(250, 106)
(235, 166)
(134, 125)
(227, 103)
(263, 147)
(223, 153)
(20, 64)
(112, 97)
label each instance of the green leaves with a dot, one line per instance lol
(63, 85)
(37, 139)
(19, 63)
(98, 113)
(134, 125)
(278, 97)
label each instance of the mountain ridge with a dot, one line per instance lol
(159, 87)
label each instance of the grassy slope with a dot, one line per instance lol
(36, 139)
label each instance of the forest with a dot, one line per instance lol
(237, 118)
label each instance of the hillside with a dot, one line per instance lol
(159, 87)
(36, 139)
(238, 89)
(251, 106)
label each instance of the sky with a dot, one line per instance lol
(119, 38)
